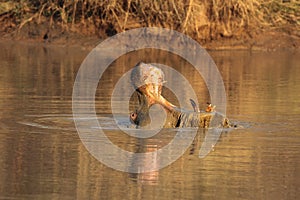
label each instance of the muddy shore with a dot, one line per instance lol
(265, 40)
(218, 25)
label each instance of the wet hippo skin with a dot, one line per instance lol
(148, 81)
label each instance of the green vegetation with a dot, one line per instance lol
(201, 19)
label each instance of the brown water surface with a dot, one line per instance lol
(42, 157)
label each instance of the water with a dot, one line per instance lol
(42, 157)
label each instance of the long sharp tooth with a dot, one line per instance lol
(195, 107)
(165, 103)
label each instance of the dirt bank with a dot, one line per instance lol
(266, 40)
(233, 24)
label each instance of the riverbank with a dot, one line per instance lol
(264, 41)
(255, 25)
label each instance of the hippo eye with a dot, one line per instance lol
(133, 116)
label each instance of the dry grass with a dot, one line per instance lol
(201, 19)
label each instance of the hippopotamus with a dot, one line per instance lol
(148, 81)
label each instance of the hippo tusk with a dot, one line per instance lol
(195, 107)
(163, 102)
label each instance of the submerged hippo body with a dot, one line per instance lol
(148, 81)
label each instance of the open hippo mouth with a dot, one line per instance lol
(148, 81)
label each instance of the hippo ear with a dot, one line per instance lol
(195, 107)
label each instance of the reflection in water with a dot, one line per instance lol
(148, 178)
(42, 157)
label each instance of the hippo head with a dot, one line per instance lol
(147, 81)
